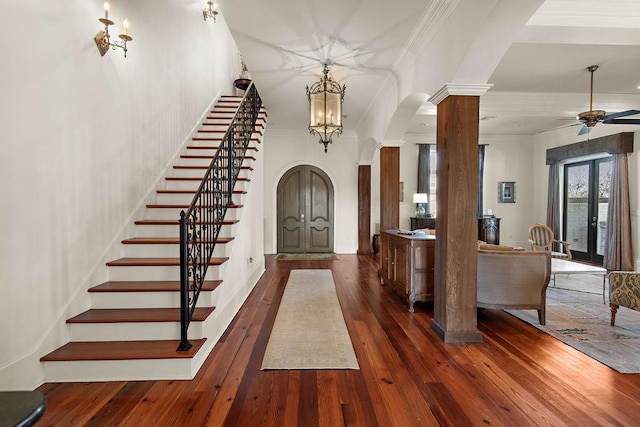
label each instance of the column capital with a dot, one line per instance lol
(365, 162)
(461, 89)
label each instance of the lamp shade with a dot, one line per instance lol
(420, 198)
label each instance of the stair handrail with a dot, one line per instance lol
(200, 225)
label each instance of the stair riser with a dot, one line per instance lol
(186, 199)
(199, 173)
(207, 161)
(131, 331)
(193, 185)
(157, 273)
(174, 230)
(174, 213)
(144, 299)
(118, 370)
(167, 251)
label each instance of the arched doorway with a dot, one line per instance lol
(305, 211)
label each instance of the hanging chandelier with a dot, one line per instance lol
(325, 107)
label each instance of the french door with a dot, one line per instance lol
(586, 201)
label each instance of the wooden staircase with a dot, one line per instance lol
(132, 329)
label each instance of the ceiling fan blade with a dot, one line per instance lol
(623, 121)
(620, 114)
(584, 130)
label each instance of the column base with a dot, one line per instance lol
(453, 337)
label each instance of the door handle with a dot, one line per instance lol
(302, 218)
(594, 221)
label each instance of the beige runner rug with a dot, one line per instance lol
(309, 331)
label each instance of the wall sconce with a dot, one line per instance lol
(103, 39)
(210, 11)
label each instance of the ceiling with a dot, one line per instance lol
(540, 84)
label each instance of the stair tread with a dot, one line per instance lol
(204, 167)
(193, 156)
(192, 191)
(123, 350)
(176, 222)
(213, 138)
(228, 124)
(168, 206)
(190, 178)
(165, 240)
(149, 286)
(137, 315)
(211, 147)
(157, 262)
(259, 132)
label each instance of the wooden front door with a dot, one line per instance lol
(305, 211)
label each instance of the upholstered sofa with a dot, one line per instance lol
(624, 290)
(513, 279)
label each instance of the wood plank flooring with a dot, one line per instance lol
(518, 376)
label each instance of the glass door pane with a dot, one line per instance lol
(577, 206)
(604, 184)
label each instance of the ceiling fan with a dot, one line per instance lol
(592, 117)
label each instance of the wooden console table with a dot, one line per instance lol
(488, 227)
(407, 265)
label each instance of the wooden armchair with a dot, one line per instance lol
(541, 239)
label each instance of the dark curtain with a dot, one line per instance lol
(424, 167)
(618, 255)
(553, 201)
(480, 179)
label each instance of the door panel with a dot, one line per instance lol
(291, 231)
(305, 211)
(586, 201)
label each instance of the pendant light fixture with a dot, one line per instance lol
(325, 107)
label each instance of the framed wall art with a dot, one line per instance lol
(506, 192)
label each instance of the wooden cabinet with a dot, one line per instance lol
(489, 229)
(418, 223)
(407, 265)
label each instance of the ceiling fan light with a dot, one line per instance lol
(592, 117)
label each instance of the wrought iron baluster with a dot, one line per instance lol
(200, 225)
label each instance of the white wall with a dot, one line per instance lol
(84, 139)
(287, 149)
(509, 158)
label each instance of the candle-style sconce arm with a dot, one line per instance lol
(103, 38)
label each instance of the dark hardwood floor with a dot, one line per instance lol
(517, 376)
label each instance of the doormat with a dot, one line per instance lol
(309, 331)
(306, 256)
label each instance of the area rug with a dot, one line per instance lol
(306, 256)
(309, 331)
(577, 317)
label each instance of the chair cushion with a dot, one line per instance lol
(624, 289)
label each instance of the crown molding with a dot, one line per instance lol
(459, 89)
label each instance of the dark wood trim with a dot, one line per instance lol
(612, 144)
(364, 210)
